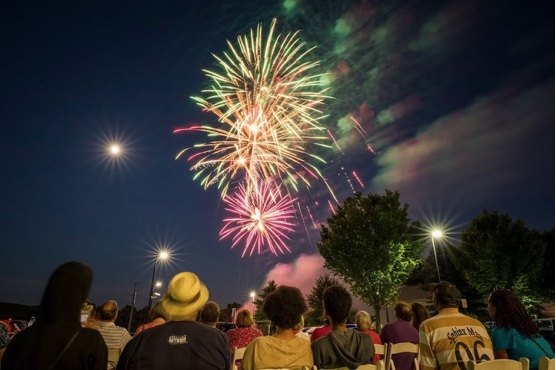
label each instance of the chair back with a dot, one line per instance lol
(238, 355)
(286, 368)
(499, 364)
(546, 363)
(402, 347)
(113, 357)
(378, 366)
(380, 349)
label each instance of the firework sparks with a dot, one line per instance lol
(331, 207)
(348, 180)
(311, 217)
(359, 128)
(262, 217)
(358, 179)
(335, 142)
(266, 101)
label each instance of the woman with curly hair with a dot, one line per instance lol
(284, 307)
(515, 334)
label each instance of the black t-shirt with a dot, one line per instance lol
(177, 345)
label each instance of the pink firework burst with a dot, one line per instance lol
(262, 217)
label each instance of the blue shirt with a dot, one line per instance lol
(519, 345)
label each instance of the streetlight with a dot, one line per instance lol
(162, 255)
(253, 294)
(133, 297)
(115, 149)
(436, 234)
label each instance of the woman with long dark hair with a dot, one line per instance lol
(420, 314)
(515, 334)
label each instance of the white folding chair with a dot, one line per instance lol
(402, 347)
(499, 364)
(546, 363)
(113, 357)
(380, 349)
(238, 355)
(379, 366)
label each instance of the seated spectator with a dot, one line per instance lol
(401, 331)
(210, 313)
(321, 331)
(420, 314)
(4, 338)
(284, 307)
(92, 317)
(515, 334)
(57, 340)
(364, 323)
(244, 333)
(157, 316)
(114, 336)
(341, 347)
(450, 339)
(182, 342)
(298, 330)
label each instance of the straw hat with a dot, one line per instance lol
(185, 296)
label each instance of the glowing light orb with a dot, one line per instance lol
(115, 149)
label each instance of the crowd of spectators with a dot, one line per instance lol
(182, 331)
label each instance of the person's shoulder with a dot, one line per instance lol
(322, 329)
(255, 330)
(365, 336)
(320, 342)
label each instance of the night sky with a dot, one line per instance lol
(455, 101)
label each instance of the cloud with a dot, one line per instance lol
(463, 149)
(301, 273)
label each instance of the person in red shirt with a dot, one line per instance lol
(245, 332)
(157, 316)
(321, 332)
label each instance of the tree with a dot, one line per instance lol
(546, 283)
(314, 300)
(269, 288)
(497, 252)
(372, 245)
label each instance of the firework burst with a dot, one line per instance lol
(261, 217)
(267, 104)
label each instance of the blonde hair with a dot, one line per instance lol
(244, 319)
(300, 324)
(363, 321)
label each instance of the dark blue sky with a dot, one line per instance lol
(456, 99)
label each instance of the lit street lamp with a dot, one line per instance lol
(436, 234)
(162, 255)
(253, 294)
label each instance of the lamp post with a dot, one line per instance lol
(132, 306)
(253, 294)
(162, 255)
(436, 234)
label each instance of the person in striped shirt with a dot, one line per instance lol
(114, 336)
(450, 339)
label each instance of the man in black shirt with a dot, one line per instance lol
(181, 343)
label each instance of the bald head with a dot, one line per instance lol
(108, 311)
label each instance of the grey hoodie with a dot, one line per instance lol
(343, 349)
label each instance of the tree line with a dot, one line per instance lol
(373, 246)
